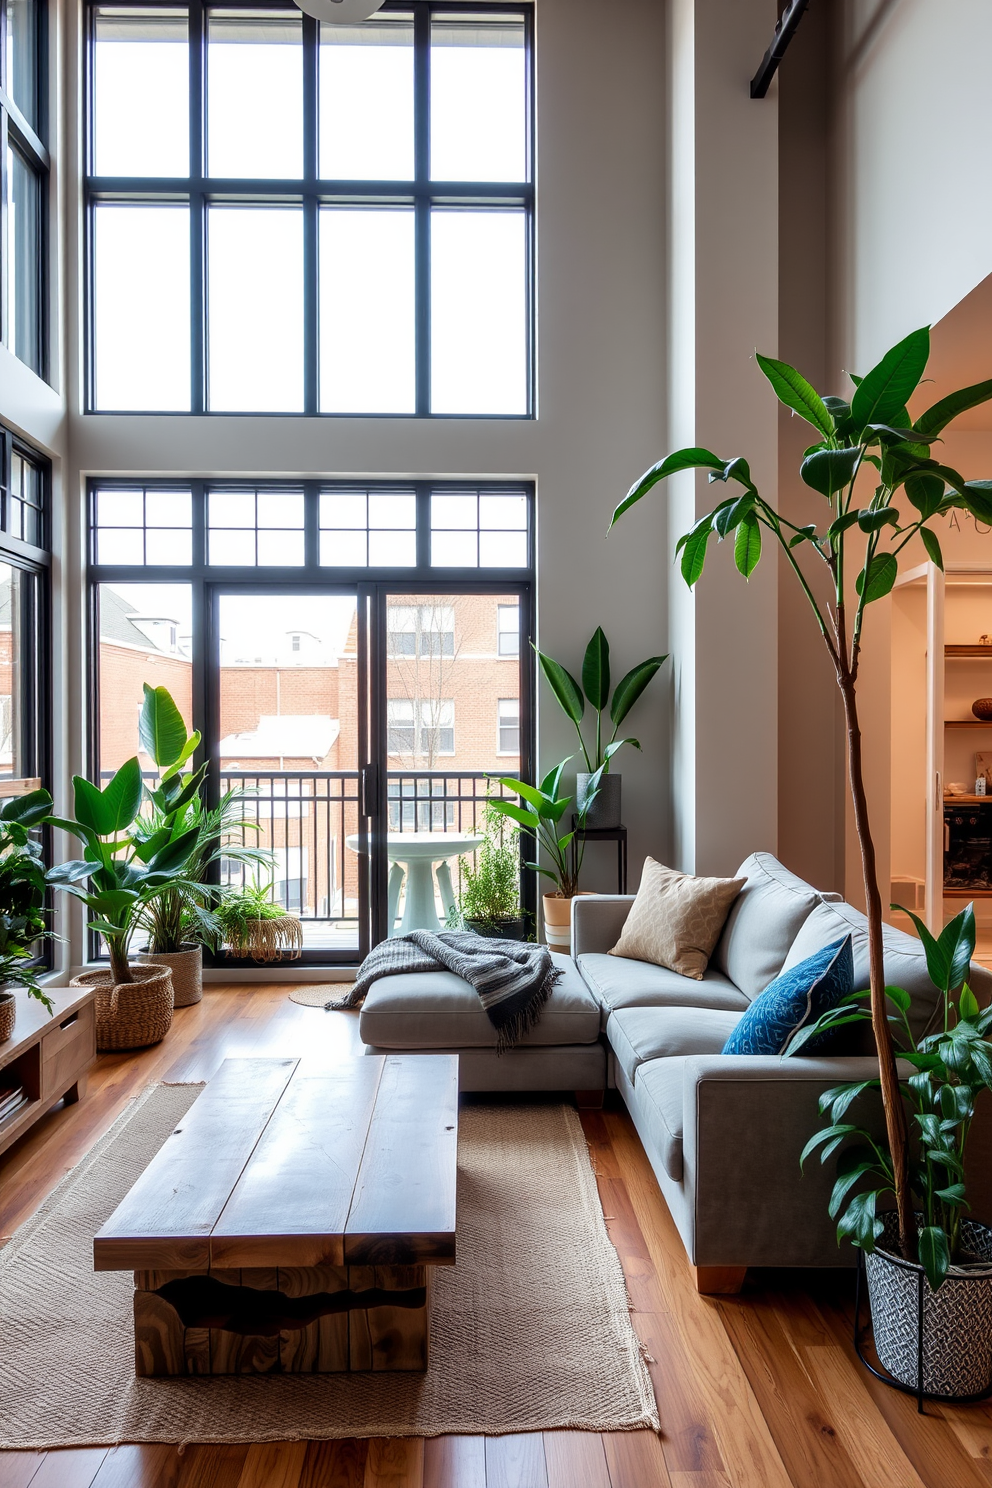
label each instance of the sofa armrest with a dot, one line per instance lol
(597, 920)
(746, 1121)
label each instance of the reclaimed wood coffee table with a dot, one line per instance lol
(290, 1221)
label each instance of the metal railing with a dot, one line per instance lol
(306, 818)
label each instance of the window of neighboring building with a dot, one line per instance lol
(421, 631)
(508, 630)
(508, 714)
(24, 166)
(376, 212)
(425, 728)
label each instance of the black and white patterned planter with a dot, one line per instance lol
(950, 1345)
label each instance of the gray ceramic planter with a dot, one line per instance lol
(604, 814)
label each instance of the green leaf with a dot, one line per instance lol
(517, 813)
(968, 1004)
(860, 1224)
(683, 459)
(747, 545)
(940, 414)
(596, 671)
(114, 808)
(161, 730)
(551, 783)
(564, 686)
(836, 1132)
(887, 388)
(933, 547)
(978, 499)
(29, 810)
(792, 389)
(873, 519)
(694, 552)
(881, 575)
(926, 492)
(841, 524)
(936, 958)
(957, 943)
(630, 687)
(900, 997)
(935, 1254)
(175, 853)
(805, 534)
(830, 470)
(733, 514)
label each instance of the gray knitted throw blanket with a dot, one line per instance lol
(514, 980)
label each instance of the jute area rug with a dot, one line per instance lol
(530, 1329)
(318, 994)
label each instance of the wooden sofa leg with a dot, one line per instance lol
(589, 1100)
(719, 1280)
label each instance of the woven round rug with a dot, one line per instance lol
(529, 1329)
(318, 994)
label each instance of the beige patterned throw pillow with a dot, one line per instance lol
(676, 919)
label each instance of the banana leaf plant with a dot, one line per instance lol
(123, 867)
(183, 911)
(873, 467)
(595, 690)
(951, 1068)
(22, 891)
(541, 818)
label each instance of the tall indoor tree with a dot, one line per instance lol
(874, 467)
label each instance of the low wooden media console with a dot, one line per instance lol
(48, 1053)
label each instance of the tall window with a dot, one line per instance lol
(24, 561)
(310, 218)
(24, 166)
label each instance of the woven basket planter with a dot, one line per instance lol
(8, 1012)
(957, 1318)
(186, 966)
(130, 1015)
(270, 940)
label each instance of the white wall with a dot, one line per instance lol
(914, 135)
(601, 390)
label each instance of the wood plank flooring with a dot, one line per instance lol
(757, 1391)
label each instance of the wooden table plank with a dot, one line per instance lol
(403, 1212)
(291, 1203)
(166, 1219)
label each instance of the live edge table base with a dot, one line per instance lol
(290, 1320)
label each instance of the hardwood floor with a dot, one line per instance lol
(757, 1391)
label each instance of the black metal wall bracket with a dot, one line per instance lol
(784, 32)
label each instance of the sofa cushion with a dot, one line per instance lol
(763, 922)
(438, 1010)
(658, 1090)
(676, 918)
(905, 965)
(619, 983)
(639, 1034)
(795, 1000)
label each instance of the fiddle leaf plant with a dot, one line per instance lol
(872, 466)
(22, 892)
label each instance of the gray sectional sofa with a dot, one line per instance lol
(723, 1133)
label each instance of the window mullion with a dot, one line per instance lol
(311, 41)
(5, 284)
(197, 209)
(422, 169)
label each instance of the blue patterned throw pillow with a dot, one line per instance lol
(795, 998)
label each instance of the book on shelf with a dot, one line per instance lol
(12, 1103)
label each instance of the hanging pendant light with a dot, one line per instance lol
(340, 12)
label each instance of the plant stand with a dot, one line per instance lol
(882, 1374)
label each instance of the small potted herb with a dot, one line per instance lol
(251, 926)
(490, 888)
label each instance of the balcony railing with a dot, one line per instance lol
(305, 818)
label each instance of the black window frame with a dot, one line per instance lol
(380, 583)
(311, 192)
(18, 133)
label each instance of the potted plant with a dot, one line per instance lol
(541, 817)
(953, 1066)
(868, 441)
(603, 812)
(489, 899)
(250, 925)
(122, 871)
(22, 902)
(179, 919)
